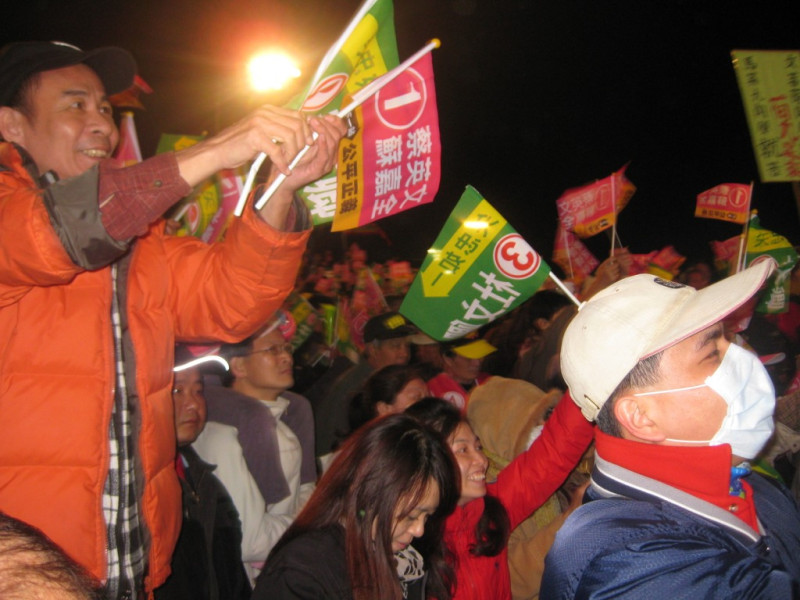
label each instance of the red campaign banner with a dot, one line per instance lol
(394, 162)
(572, 255)
(727, 251)
(666, 262)
(726, 202)
(590, 209)
(640, 262)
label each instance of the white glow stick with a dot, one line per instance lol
(359, 98)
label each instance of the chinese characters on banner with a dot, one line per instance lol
(727, 202)
(478, 269)
(590, 209)
(366, 50)
(769, 82)
(393, 162)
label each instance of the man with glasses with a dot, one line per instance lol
(261, 437)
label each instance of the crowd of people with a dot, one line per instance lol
(641, 444)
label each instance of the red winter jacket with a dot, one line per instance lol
(522, 487)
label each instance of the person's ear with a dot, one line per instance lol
(633, 415)
(11, 121)
(238, 367)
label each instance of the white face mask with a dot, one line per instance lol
(744, 384)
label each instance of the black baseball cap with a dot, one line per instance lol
(114, 66)
(387, 326)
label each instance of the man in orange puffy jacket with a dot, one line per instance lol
(93, 296)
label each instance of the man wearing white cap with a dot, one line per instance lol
(673, 510)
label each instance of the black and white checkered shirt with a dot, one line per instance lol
(126, 551)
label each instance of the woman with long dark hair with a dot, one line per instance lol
(391, 481)
(476, 533)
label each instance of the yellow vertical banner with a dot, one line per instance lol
(769, 82)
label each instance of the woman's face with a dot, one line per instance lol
(409, 521)
(471, 461)
(412, 392)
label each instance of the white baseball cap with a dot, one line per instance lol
(640, 316)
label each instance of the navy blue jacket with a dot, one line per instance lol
(640, 538)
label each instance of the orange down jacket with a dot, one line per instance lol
(57, 373)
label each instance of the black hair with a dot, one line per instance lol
(382, 386)
(22, 99)
(387, 462)
(494, 527)
(32, 564)
(646, 372)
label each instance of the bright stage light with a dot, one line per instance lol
(271, 71)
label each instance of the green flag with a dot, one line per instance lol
(760, 242)
(478, 269)
(366, 50)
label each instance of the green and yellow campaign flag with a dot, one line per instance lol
(366, 50)
(206, 212)
(768, 82)
(478, 269)
(761, 242)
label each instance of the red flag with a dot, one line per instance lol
(666, 263)
(127, 151)
(590, 209)
(130, 98)
(572, 255)
(640, 262)
(393, 163)
(728, 251)
(727, 202)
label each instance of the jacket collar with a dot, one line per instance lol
(695, 479)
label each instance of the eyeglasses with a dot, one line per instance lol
(275, 349)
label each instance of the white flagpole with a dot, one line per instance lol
(566, 291)
(569, 254)
(359, 98)
(614, 210)
(742, 258)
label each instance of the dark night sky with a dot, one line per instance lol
(534, 96)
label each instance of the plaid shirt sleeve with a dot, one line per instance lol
(131, 198)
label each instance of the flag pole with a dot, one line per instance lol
(740, 259)
(566, 290)
(614, 209)
(566, 246)
(358, 99)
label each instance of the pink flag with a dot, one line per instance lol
(393, 162)
(127, 151)
(572, 255)
(666, 263)
(640, 262)
(727, 251)
(727, 202)
(590, 209)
